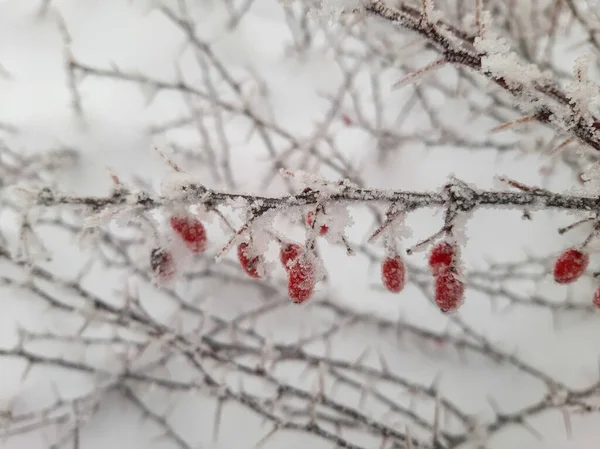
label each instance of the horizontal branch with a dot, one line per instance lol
(455, 195)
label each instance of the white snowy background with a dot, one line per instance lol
(36, 100)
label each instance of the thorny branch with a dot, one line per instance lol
(340, 374)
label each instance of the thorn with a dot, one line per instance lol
(217, 423)
(478, 23)
(574, 225)
(503, 126)
(413, 76)
(169, 161)
(568, 424)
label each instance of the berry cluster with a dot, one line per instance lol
(192, 232)
(296, 261)
(449, 288)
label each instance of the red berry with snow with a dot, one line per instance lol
(449, 290)
(191, 231)
(441, 256)
(250, 266)
(570, 265)
(288, 253)
(310, 217)
(393, 274)
(301, 280)
(596, 300)
(162, 264)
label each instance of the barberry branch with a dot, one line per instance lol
(549, 99)
(455, 195)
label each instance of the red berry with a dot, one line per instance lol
(288, 253)
(441, 256)
(596, 300)
(249, 266)
(191, 231)
(162, 264)
(310, 216)
(570, 265)
(449, 290)
(301, 281)
(393, 274)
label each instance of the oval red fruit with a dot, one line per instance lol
(191, 231)
(441, 256)
(162, 264)
(309, 221)
(393, 274)
(288, 253)
(301, 280)
(250, 266)
(570, 265)
(449, 290)
(596, 300)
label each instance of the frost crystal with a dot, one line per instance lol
(174, 185)
(582, 92)
(332, 9)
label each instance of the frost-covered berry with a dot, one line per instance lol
(570, 265)
(250, 266)
(449, 290)
(301, 280)
(310, 217)
(162, 264)
(393, 274)
(191, 231)
(596, 300)
(288, 253)
(441, 256)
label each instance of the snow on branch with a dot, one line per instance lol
(455, 194)
(536, 94)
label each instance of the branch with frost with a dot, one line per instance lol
(456, 195)
(538, 95)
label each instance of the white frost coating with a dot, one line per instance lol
(332, 9)
(591, 178)
(582, 92)
(171, 185)
(394, 233)
(315, 182)
(24, 196)
(202, 214)
(337, 218)
(500, 62)
(105, 216)
(319, 268)
(490, 43)
(459, 227)
(262, 233)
